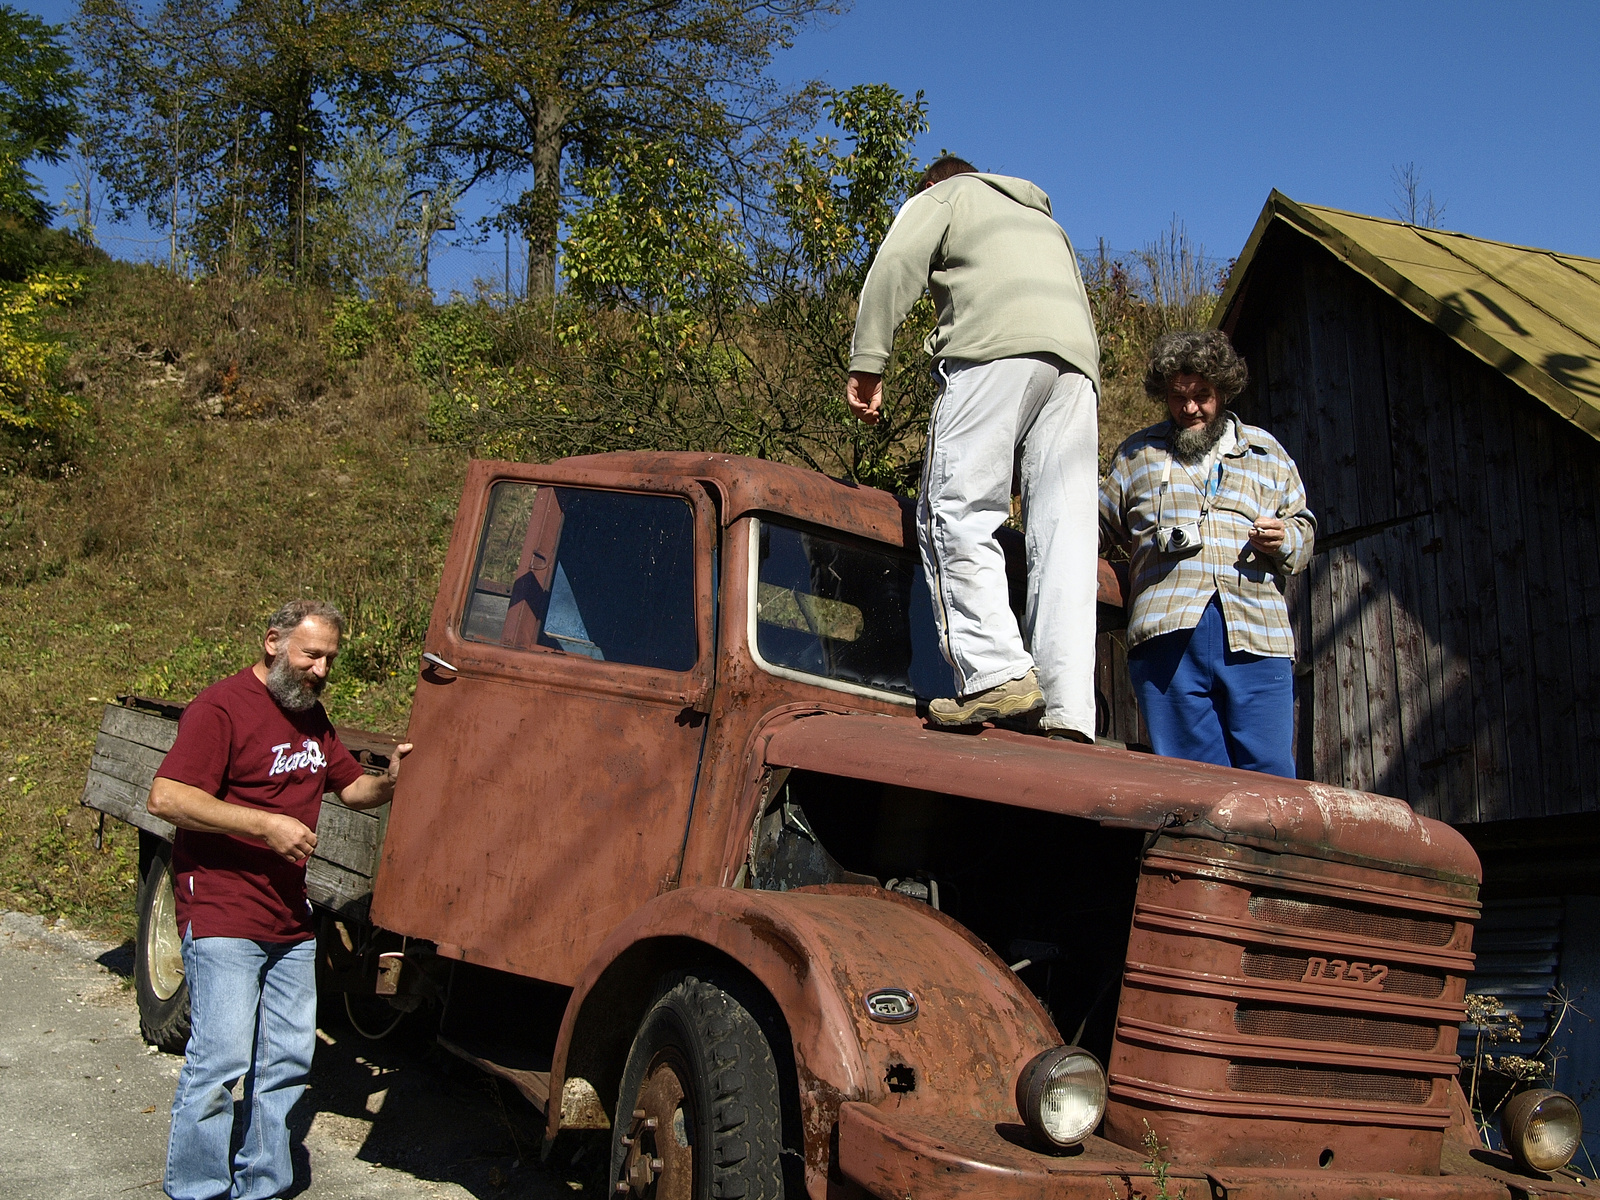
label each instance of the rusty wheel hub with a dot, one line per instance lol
(660, 1159)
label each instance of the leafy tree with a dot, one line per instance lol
(38, 116)
(215, 117)
(38, 110)
(690, 322)
(517, 87)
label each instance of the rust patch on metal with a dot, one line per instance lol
(765, 930)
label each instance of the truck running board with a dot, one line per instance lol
(580, 1103)
(535, 1085)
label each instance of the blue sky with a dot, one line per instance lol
(1132, 113)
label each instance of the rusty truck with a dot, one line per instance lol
(676, 856)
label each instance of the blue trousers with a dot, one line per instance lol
(253, 1016)
(1206, 703)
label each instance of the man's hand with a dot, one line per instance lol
(1267, 535)
(372, 790)
(190, 808)
(864, 395)
(287, 837)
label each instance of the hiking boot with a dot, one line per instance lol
(1068, 735)
(998, 703)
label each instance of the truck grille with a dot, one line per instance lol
(1315, 1025)
(1362, 920)
(1285, 1003)
(1338, 1085)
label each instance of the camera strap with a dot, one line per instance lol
(1166, 484)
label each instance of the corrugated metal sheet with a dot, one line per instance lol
(1518, 944)
(1533, 315)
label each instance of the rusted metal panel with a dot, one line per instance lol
(892, 1157)
(1115, 786)
(751, 485)
(1287, 1012)
(818, 952)
(548, 794)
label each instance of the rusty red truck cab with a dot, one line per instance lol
(690, 867)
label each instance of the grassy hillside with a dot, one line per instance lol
(232, 459)
(232, 464)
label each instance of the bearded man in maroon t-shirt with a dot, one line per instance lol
(243, 783)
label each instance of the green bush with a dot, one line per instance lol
(353, 328)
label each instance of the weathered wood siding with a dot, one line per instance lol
(1456, 590)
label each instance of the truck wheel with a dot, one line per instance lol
(698, 1114)
(158, 959)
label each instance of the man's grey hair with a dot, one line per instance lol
(1203, 352)
(295, 612)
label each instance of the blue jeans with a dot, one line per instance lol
(1206, 703)
(253, 1015)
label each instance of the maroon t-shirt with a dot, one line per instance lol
(235, 742)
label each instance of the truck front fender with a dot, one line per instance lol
(817, 952)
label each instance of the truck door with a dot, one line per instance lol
(555, 765)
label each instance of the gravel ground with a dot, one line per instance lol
(84, 1103)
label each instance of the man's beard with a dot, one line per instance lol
(293, 690)
(1189, 446)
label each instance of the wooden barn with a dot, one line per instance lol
(1441, 394)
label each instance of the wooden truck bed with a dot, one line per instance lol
(136, 733)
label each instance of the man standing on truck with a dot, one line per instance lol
(1213, 514)
(243, 783)
(1018, 364)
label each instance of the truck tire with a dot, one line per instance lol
(698, 1115)
(158, 980)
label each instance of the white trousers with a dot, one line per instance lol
(989, 417)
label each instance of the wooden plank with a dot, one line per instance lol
(158, 733)
(1297, 598)
(1369, 401)
(1325, 368)
(1471, 535)
(123, 801)
(1414, 604)
(1502, 491)
(1387, 736)
(332, 886)
(1579, 484)
(133, 774)
(1545, 525)
(1442, 560)
(1408, 615)
(346, 837)
(1350, 669)
(1327, 753)
(110, 746)
(1291, 369)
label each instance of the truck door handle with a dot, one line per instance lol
(435, 660)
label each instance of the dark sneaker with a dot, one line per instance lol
(997, 704)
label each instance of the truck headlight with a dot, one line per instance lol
(1061, 1095)
(1541, 1129)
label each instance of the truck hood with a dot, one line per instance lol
(1119, 787)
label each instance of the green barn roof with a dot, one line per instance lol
(1533, 315)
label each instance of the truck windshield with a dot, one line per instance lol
(846, 611)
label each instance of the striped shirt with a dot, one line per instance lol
(1253, 476)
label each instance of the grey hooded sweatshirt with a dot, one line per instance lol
(1002, 273)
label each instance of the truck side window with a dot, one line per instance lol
(504, 531)
(606, 575)
(844, 611)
